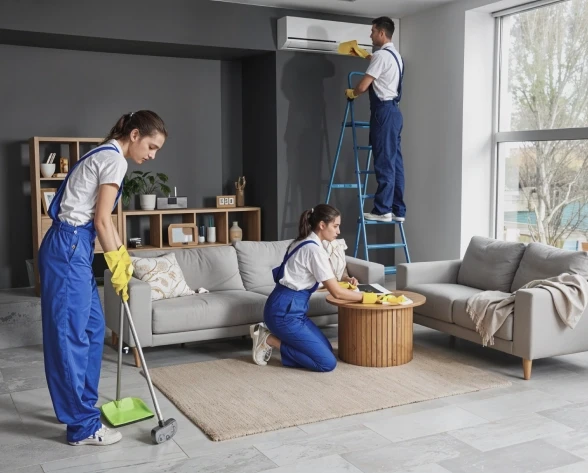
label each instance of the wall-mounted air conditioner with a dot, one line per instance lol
(322, 36)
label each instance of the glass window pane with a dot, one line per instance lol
(544, 68)
(543, 192)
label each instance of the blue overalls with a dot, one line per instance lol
(73, 321)
(303, 344)
(385, 129)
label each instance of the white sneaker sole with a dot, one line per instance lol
(112, 440)
(255, 336)
(377, 218)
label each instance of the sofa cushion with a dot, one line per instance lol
(440, 299)
(214, 268)
(204, 311)
(461, 318)
(543, 261)
(336, 251)
(163, 274)
(490, 264)
(256, 260)
(317, 305)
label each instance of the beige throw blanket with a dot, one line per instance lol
(489, 309)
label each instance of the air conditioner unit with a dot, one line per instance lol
(322, 36)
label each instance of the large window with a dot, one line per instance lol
(542, 118)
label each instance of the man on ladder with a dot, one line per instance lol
(383, 79)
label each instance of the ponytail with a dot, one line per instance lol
(147, 122)
(310, 219)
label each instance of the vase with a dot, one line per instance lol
(211, 234)
(148, 201)
(240, 198)
(235, 233)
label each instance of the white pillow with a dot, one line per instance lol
(163, 274)
(336, 251)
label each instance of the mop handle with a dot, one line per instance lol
(121, 316)
(150, 384)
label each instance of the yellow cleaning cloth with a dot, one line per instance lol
(348, 46)
(394, 300)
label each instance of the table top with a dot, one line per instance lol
(417, 300)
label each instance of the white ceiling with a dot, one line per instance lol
(367, 8)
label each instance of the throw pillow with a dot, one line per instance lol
(336, 251)
(163, 274)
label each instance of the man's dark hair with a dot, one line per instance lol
(386, 24)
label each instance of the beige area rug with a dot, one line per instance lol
(234, 397)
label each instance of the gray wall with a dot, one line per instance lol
(310, 109)
(47, 92)
(101, 60)
(447, 144)
(259, 140)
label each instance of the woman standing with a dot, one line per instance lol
(300, 341)
(73, 321)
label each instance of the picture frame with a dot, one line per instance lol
(182, 234)
(47, 195)
(226, 201)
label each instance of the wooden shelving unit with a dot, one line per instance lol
(250, 223)
(39, 149)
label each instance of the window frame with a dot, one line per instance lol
(500, 89)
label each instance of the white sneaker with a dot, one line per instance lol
(103, 436)
(380, 218)
(398, 219)
(261, 351)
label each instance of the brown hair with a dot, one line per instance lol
(147, 122)
(310, 219)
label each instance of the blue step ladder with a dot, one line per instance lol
(362, 184)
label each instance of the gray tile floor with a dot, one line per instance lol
(533, 426)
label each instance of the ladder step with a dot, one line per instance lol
(366, 172)
(378, 222)
(344, 186)
(358, 124)
(368, 196)
(389, 269)
(384, 246)
(363, 148)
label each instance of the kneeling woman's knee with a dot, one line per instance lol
(328, 364)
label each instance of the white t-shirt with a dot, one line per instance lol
(384, 70)
(78, 204)
(309, 265)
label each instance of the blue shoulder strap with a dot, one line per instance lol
(278, 272)
(401, 71)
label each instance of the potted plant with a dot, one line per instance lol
(146, 185)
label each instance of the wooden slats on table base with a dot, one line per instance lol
(375, 338)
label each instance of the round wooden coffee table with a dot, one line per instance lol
(376, 335)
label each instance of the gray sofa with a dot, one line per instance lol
(535, 330)
(239, 279)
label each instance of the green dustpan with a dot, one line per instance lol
(126, 411)
(130, 409)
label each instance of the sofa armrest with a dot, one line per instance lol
(430, 272)
(140, 306)
(538, 332)
(366, 272)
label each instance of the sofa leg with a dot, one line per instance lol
(452, 341)
(114, 339)
(527, 364)
(137, 357)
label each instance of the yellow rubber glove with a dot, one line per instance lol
(347, 285)
(120, 264)
(369, 298)
(350, 94)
